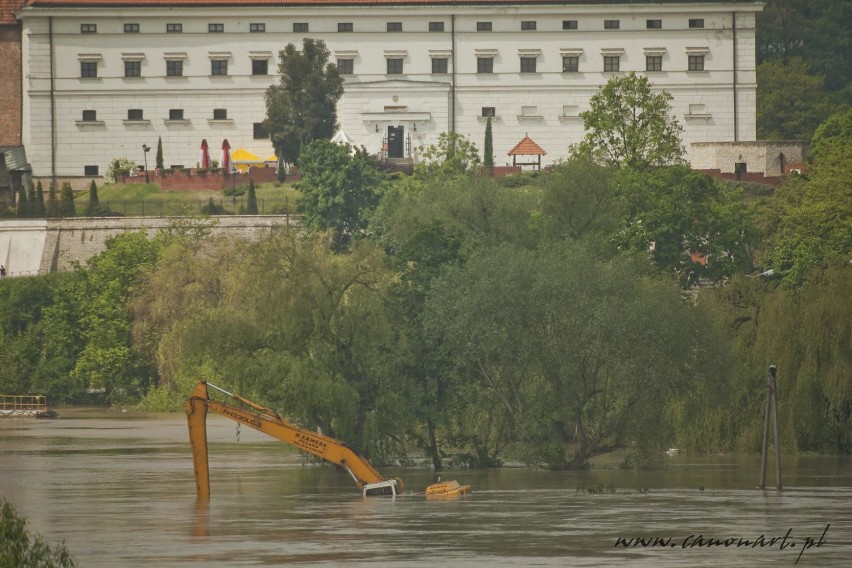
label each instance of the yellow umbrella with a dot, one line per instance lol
(242, 159)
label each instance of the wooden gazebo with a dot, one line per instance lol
(527, 147)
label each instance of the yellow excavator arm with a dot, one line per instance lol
(266, 420)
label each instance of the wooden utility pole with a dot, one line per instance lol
(771, 400)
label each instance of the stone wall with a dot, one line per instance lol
(763, 156)
(39, 246)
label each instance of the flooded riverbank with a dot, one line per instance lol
(119, 489)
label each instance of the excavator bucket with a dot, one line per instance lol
(447, 489)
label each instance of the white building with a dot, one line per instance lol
(104, 77)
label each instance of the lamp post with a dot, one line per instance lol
(145, 150)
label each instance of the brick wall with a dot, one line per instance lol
(10, 85)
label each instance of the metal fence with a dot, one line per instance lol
(176, 208)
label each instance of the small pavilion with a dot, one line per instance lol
(527, 147)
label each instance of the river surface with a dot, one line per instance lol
(119, 489)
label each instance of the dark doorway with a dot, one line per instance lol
(396, 145)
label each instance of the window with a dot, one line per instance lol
(219, 67)
(569, 24)
(436, 26)
(612, 62)
(132, 68)
(571, 111)
(485, 65)
(215, 28)
(394, 26)
(697, 110)
(175, 114)
(696, 63)
(528, 64)
(260, 131)
(345, 27)
(131, 28)
(528, 25)
(696, 22)
(90, 115)
(654, 24)
(260, 67)
(394, 66)
(300, 27)
(88, 69)
(220, 114)
(570, 64)
(346, 66)
(489, 111)
(529, 111)
(439, 65)
(88, 28)
(174, 68)
(257, 27)
(135, 114)
(90, 170)
(653, 63)
(174, 28)
(611, 24)
(483, 26)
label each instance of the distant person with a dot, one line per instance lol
(2, 271)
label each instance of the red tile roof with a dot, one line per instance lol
(8, 9)
(527, 147)
(191, 3)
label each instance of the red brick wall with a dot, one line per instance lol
(177, 181)
(10, 85)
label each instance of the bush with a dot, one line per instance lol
(212, 208)
(19, 550)
(118, 167)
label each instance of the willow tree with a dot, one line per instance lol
(303, 105)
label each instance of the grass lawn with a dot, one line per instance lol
(147, 198)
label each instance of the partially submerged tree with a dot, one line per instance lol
(628, 125)
(303, 106)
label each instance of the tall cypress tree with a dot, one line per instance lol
(66, 201)
(38, 202)
(52, 201)
(160, 153)
(23, 209)
(488, 147)
(251, 204)
(94, 202)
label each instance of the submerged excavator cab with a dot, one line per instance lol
(266, 420)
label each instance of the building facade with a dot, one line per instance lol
(102, 78)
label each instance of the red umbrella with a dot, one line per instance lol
(205, 155)
(226, 155)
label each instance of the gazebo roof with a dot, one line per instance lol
(527, 147)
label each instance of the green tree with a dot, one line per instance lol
(23, 206)
(817, 32)
(488, 146)
(19, 549)
(569, 357)
(251, 201)
(790, 101)
(452, 155)
(108, 360)
(339, 190)
(52, 201)
(629, 125)
(671, 212)
(303, 106)
(94, 203)
(66, 201)
(39, 209)
(832, 138)
(159, 158)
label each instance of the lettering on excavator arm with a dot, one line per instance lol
(266, 420)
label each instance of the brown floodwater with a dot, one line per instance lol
(118, 488)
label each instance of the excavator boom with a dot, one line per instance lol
(270, 422)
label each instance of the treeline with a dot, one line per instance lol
(548, 318)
